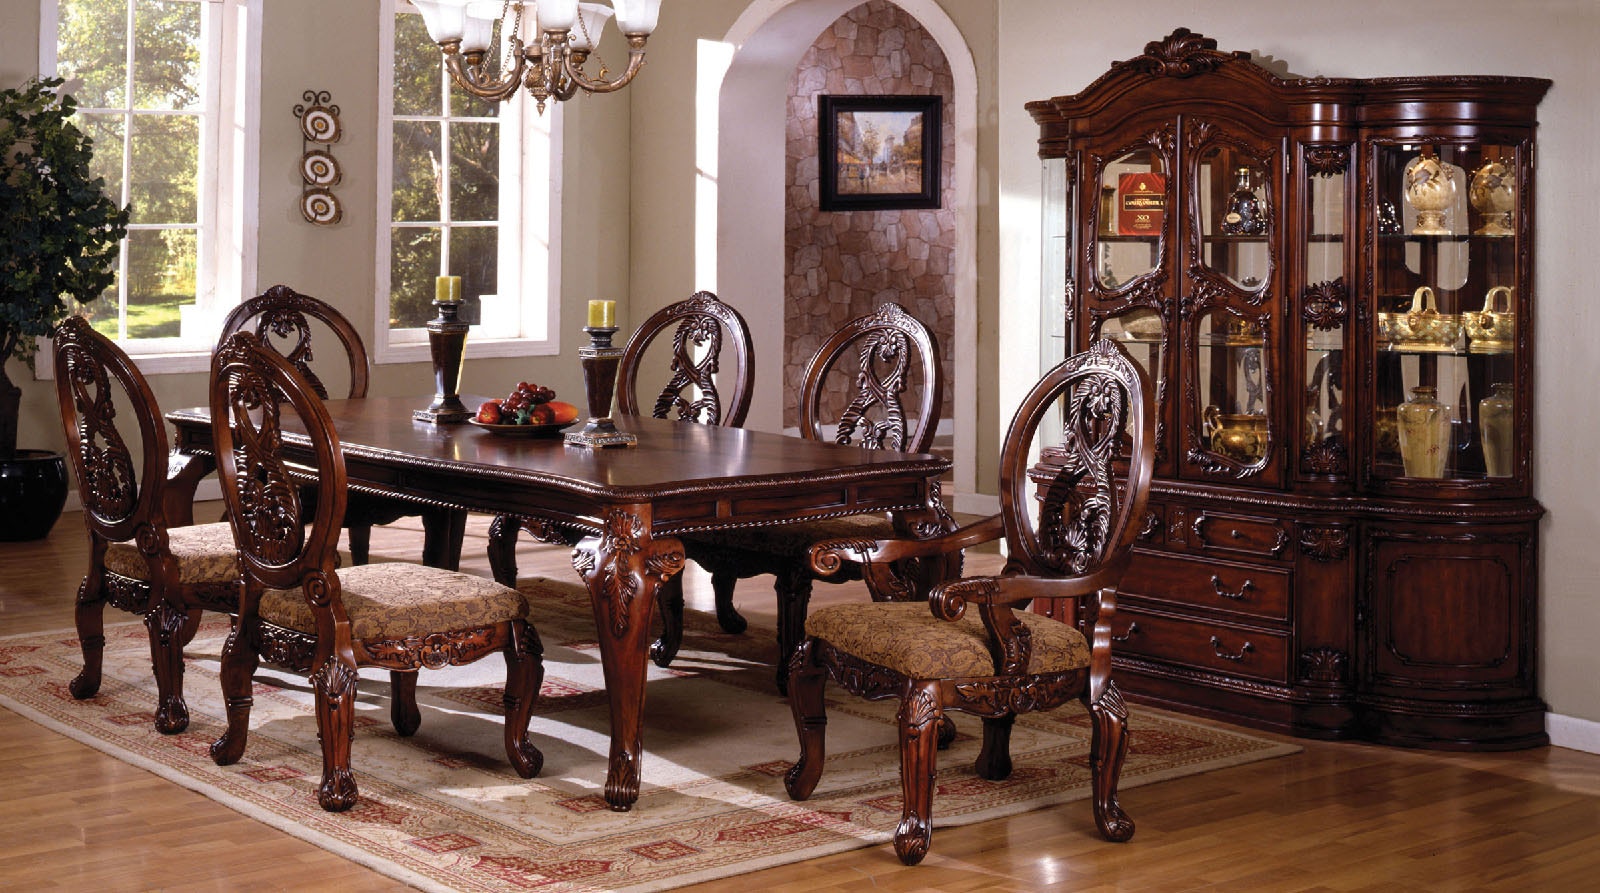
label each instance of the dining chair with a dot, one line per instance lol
(145, 555)
(284, 319)
(700, 327)
(1069, 525)
(875, 383)
(300, 610)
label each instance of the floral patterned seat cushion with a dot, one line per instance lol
(906, 638)
(394, 600)
(794, 539)
(205, 553)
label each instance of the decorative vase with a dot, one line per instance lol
(1430, 187)
(33, 489)
(1425, 429)
(1496, 423)
(1241, 437)
(1493, 194)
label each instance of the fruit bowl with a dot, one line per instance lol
(523, 430)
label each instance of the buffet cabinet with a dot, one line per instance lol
(1330, 282)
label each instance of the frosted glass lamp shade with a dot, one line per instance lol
(637, 16)
(445, 19)
(557, 15)
(592, 18)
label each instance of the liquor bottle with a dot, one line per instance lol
(1245, 216)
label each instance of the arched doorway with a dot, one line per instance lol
(740, 202)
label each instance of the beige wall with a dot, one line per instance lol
(1054, 48)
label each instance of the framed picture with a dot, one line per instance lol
(873, 153)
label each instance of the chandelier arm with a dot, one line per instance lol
(461, 67)
(574, 68)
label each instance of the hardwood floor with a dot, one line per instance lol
(1337, 817)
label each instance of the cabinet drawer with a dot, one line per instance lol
(1220, 647)
(1215, 585)
(1220, 532)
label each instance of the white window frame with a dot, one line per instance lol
(528, 264)
(229, 170)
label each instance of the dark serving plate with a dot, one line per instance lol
(523, 430)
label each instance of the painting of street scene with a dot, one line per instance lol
(874, 154)
(879, 152)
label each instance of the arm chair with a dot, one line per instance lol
(282, 318)
(867, 368)
(937, 656)
(144, 557)
(300, 611)
(700, 327)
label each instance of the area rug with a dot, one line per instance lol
(443, 811)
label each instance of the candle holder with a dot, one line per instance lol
(447, 343)
(600, 361)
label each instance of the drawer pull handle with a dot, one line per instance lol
(1235, 533)
(1133, 629)
(1216, 645)
(1216, 583)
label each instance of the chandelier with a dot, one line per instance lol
(546, 44)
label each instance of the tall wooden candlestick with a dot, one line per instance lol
(447, 343)
(600, 362)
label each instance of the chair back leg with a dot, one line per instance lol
(806, 680)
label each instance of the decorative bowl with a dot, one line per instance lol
(1492, 330)
(1422, 328)
(523, 430)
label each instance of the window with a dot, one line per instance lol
(469, 194)
(159, 83)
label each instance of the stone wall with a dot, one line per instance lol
(843, 264)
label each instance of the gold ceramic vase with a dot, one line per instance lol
(1496, 422)
(1493, 194)
(1241, 437)
(1425, 428)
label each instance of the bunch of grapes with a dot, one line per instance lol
(526, 405)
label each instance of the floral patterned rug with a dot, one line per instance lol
(443, 811)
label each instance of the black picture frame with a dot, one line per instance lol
(895, 178)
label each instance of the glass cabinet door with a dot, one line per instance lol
(1128, 218)
(1446, 280)
(1229, 272)
(1325, 310)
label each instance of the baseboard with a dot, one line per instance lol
(209, 489)
(1573, 733)
(975, 504)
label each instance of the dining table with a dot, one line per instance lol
(629, 503)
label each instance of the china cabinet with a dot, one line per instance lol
(1330, 281)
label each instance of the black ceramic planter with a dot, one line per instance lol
(33, 488)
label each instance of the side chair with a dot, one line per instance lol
(704, 333)
(145, 555)
(876, 383)
(283, 319)
(300, 611)
(1069, 524)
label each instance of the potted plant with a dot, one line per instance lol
(59, 236)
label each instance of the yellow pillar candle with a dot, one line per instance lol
(447, 288)
(602, 314)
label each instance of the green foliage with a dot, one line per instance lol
(59, 232)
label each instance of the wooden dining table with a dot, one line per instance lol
(631, 502)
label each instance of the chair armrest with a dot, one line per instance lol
(1009, 642)
(828, 556)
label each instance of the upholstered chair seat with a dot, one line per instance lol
(905, 637)
(205, 554)
(397, 600)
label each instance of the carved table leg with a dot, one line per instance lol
(503, 531)
(443, 531)
(793, 587)
(623, 569)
